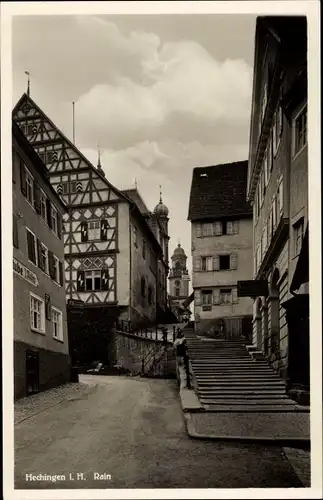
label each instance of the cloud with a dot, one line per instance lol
(180, 84)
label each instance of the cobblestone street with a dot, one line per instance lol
(131, 429)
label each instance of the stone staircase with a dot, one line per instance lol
(229, 379)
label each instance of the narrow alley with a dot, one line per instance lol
(130, 432)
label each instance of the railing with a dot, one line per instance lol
(149, 359)
(126, 327)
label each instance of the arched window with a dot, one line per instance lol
(177, 265)
(150, 295)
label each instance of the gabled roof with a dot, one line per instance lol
(135, 209)
(219, 191)
(24, 99)
(36, 161)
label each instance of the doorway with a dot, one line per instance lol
(32, 372)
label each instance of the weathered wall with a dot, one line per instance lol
(143, 265)
(130, 350)
(28, 217)
(123, 257)
(241, 245)
(54, 368)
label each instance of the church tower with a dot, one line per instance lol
(178, 277)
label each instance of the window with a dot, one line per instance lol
(69, 187)
(207, 263)
(150, 295)
(278, 129)
(300, 131)
(54, 219)
(207, 230)
(298, 236)
(177, 292)
(43, 209)
(144, 249)
(225, 295)
(37, 313)
(280, 198)
(15, 239)
(56, 269)
(274, 212)
(94, 230)
(57, 324)
(224, 262)
(29, 187)
(207, 297)
(92, 280)
(143, 287)
(264, 101)
(31, 247)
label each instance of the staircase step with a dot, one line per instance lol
(249, 402)
(238, 383)
(242, 393)
(214, 407)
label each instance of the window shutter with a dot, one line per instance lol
(23, 178)
(80, 281)
(31, 247)
(236, 227)
(37, 197)
(216, 296)
(280, 121)
(218, 228)
(40, 258)
(105, 279)
(281, 197)
(104, 230)
(229, 227)
(51, 267)
(15, 239)
(216, 263)
(47, 307)
(14, 160)
(59, 225)
(61, 276)
(198, 231)
(49, 212)
(84, 231)
(197, 297)
(197, 263)
(233, 261)
(235, 298)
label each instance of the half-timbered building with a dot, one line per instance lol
(99, 232)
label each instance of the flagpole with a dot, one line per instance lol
(73, 122)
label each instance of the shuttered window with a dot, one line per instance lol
(216, 296)
(233, 261)
(217, 227)
(15, 231)
(196, 263)
(281, 196)
(198, 230)
(31, 247)
(197, 297)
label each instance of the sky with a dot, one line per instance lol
(160, 94)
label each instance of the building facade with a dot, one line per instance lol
(221, 223)
(277, 189)
(105, 272)
(179, 284)
(41, 354)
